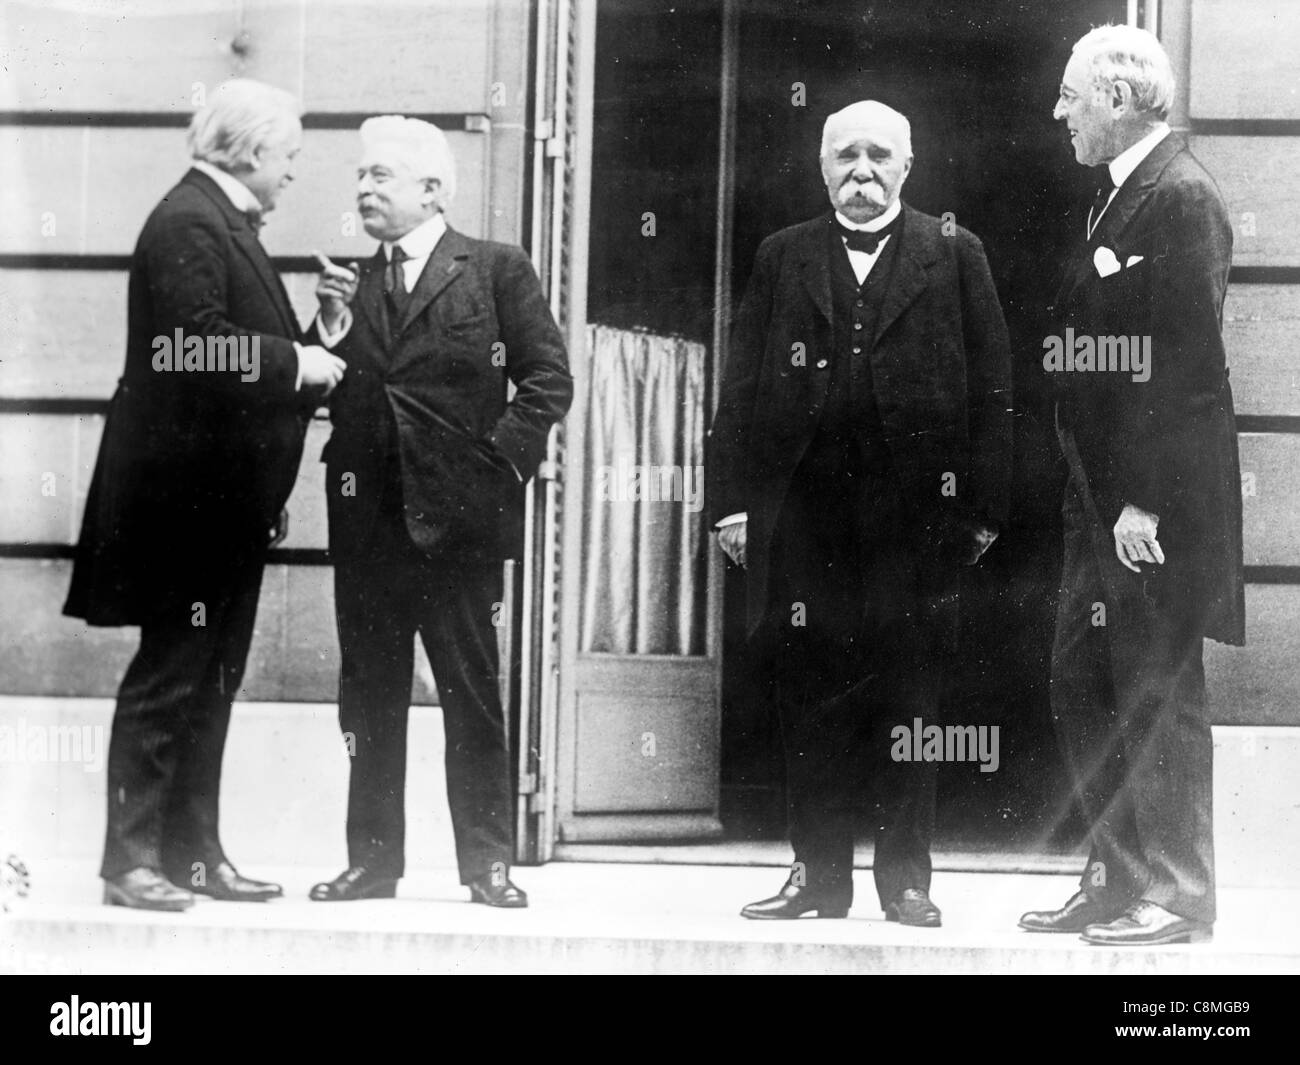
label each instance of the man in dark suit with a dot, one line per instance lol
(863, 436)
(424, 477)
(199, 454)
(1151, 447)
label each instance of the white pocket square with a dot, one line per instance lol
(1105, 262)
(1133, 260)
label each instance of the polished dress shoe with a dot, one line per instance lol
(1081, 911)
(794, 901)
(913, 907)
(224, 882)
(355, 882)
(146, 889)
(496, 890)
(1144, 924)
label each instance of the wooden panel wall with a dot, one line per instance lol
(1242, 101)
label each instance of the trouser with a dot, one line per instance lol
(853, 662)
(169, 731)
(380, 607)
(1128, 700)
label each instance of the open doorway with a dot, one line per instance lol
(978, 81)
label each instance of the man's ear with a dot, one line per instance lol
(433, 188)
(1121, 97)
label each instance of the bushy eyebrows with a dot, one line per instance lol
(850, 147)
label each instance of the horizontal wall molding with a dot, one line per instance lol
(1273, 574)
(1246, 423)
(319, 556)
(1264, 275)
(286, 264)
(305, 264)
(281, 556)
(465, 121)
(76, 405)
(1245, 127)
(1268, 423)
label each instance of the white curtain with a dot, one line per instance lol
(643, 529)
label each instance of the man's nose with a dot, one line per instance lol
(1058, 111)
(863, 171)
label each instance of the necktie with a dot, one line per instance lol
(395, 283)
(254, 219)
(1105, 186)
(861, 240)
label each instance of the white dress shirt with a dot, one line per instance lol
(862, 262)
(418, 245)
(1122, 166)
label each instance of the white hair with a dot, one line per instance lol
(868, 111)
(420, 145)
(1134, 56)
(241, 116)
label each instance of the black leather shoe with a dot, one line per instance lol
(794, 901)
(146, 889)
(496, 890)
(1144, 924)
(355, 882)
(224, 882)
(913, 907)
(1081, 911)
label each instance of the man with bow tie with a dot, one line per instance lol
(196, 463)
(861, 455)
(425, 473)
(1152, 511)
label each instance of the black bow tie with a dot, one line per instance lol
(861, 240)
(254, 219)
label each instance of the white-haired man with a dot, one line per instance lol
(1152, 452)
(860, 456)
(424, 477)
(199, 454)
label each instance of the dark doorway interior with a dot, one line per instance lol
(978, 80)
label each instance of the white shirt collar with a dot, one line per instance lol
(1123, 165)
(879, 222)
(236, 191)
(420, 242)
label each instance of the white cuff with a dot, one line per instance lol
(328, 340)
(297, 381)
(733, 519)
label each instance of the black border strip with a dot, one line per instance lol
(455, 121)
(1245, 127)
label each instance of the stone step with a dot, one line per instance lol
(584, 918)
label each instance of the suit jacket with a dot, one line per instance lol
(435, 386)
(193, 467)
(1168, 444)
(941, 374)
